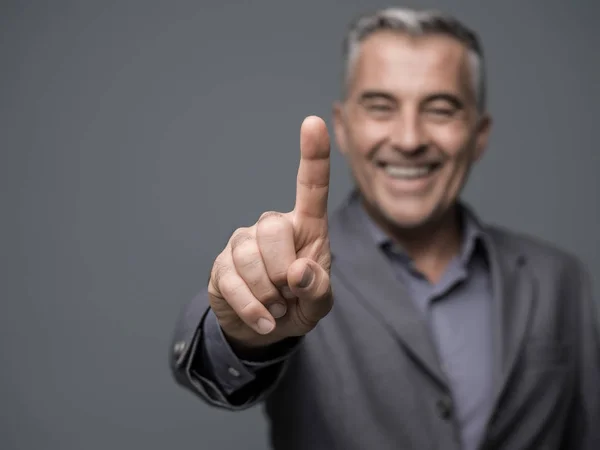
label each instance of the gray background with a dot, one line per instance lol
(136, 136)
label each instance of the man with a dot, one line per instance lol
(446, 333)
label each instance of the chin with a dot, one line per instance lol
(408, 215)
(408, 222)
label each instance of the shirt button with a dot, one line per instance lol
(233, 372)
(444, 407)
(178, 348)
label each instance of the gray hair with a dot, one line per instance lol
(416, 23)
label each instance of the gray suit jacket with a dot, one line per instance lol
(368, 377)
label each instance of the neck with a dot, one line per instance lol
(431, 246)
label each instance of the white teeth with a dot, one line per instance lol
(406, 172)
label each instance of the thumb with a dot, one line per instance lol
(310, 283)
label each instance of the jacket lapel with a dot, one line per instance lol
(364, 267)
(514, 291)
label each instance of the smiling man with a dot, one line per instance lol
(401, 320)
(411, 125)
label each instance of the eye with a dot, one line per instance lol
(444, 112)
(379, 110)
(379, 107)
(441, 114)
(442, 107)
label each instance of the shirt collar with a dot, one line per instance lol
(472, 232)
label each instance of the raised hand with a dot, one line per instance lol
(272, 279)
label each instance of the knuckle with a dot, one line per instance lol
(220, 269)
(230, 286)
(269, 215)
(273, 228)
(250, 311)
(272, 225)
(267, 294)
(262, 288)
(239, 236)
(247, 254)
(238, 231)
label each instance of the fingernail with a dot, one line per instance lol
(264, 326)
(307, 277)
(278, 310)
(287, 293)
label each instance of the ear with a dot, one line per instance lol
(484, 128)
(339, 127)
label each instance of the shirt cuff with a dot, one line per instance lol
(235, 371)
(229, 371)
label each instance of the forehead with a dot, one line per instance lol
(402, 64)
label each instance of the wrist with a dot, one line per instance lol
(263, 350)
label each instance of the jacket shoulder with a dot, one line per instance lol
(539, 252)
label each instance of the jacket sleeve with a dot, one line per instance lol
(583, 431)
(203, 362)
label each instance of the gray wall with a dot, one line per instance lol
(136, 136)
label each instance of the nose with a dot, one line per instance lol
(407, 134)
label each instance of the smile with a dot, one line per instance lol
(409, 172)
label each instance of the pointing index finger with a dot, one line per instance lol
(312, 186)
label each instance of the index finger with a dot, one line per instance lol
(312, 186)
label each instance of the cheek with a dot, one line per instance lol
(453, 140)
(365, 136)
(362, 142)
(362, 167)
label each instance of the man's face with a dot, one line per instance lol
(409, 125)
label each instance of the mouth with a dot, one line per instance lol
(405, 172)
